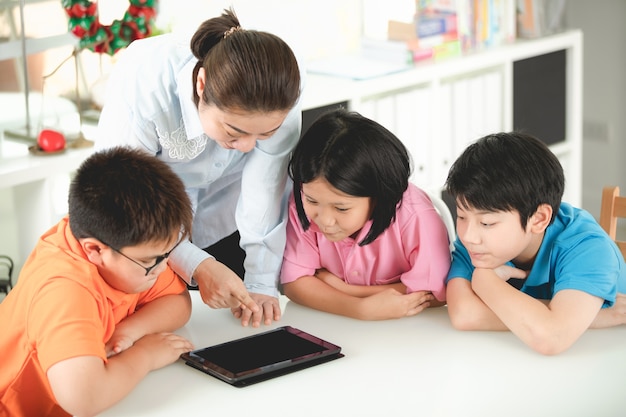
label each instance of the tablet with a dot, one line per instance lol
(263, 356)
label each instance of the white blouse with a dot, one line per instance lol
(149, 104)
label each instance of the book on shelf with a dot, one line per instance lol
(432, 23)
(426, 47)
(494, 22)
(431, 33)
(445, 28)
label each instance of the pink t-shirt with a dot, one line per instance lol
(414, 249)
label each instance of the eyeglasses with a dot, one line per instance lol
(157, 261)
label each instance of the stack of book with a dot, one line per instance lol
(490, 22)
(445, 28)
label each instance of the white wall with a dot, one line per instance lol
(312, 28)
(604, 94)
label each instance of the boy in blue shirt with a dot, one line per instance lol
(524, 260)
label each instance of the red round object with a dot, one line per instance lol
(50, 140)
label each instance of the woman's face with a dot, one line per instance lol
(237, 129)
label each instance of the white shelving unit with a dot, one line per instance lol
(438, 108)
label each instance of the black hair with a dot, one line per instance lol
(357, 156)
(506, 172)
(125, 197)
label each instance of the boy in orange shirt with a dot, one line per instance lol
(95, 303)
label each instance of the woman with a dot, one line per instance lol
(223, 111)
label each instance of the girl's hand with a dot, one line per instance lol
(391, 304)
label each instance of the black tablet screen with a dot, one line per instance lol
(259, 351)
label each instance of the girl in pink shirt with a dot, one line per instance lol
(362, 241)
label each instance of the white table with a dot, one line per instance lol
(417, 366)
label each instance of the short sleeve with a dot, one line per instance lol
(425, 238)
(301, 256)
(461, 266)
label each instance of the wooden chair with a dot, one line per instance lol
(613, 207)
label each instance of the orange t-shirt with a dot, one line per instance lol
(60, 308)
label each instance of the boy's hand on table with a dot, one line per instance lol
(611, 316)
(164, 348)
(121, 339)
(618, 310)
(117, 344)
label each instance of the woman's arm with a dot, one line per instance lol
(261, 213)
(261, 219)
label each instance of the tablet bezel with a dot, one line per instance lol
(330, 351)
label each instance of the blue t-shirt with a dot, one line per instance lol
(575, 254)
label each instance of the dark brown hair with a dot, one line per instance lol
(126, 197)
(248, 70)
